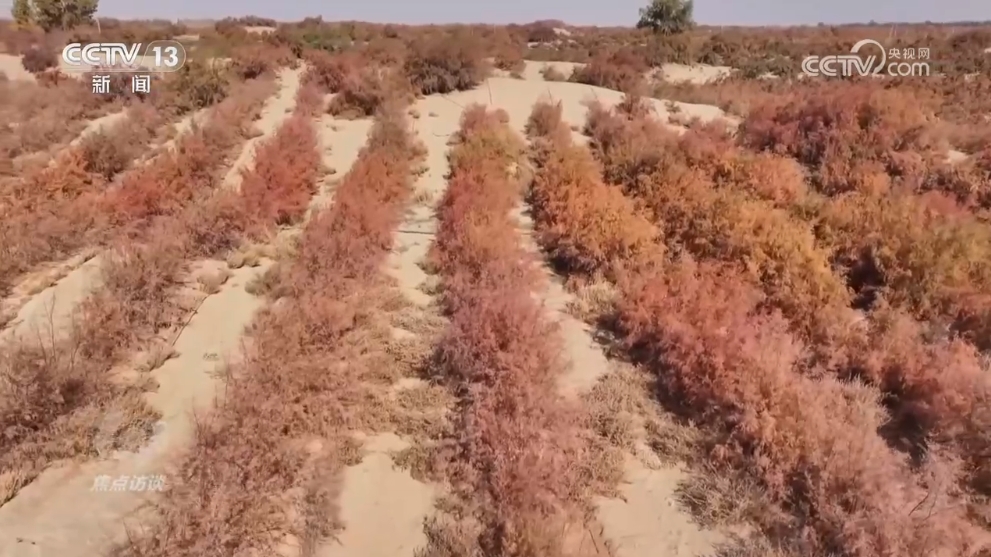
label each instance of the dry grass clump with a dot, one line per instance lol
(110, 151)
(622, 71)
(282, 426)
(550, 72)
(363, 92)
(360, 85)
(515, 457)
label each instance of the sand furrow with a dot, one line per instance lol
(276, 110)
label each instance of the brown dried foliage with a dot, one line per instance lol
(444, 65)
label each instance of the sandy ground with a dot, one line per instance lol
(10, 65)
(675, 73)
(260, 29)
(45, 316)
(60, 513)
(98, 124)
(953, 156)
(375, 496)
(517, 97)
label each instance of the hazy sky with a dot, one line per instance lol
(578, 12)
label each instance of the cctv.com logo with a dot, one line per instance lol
(849, 65)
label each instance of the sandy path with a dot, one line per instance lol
(11, 66)
(98, 124)
(648, 520)
(47, 314)
(340, 140)
(376, 492)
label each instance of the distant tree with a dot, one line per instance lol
(21, 12)
(667, 17)
(63, 14)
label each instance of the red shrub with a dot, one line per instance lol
(812, 442)
(277, 190)
(849, 135)
(519, 462)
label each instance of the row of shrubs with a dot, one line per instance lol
(48, 212)
(516, 459)
(728, 360)
(715, 201)
(365, 78)
(314, 349)
(55, 388)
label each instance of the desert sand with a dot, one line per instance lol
(10, 65)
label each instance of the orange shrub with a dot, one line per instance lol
(701, 191)
(852, 137)
(585, 224)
